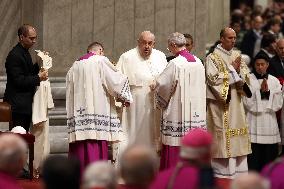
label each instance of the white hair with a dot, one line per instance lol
(146, 33)
(100, 174)
(12, 149)
(177, 39)
(251, 180)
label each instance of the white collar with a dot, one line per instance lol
(224, 50)
(258, 33)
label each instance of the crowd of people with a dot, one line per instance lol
(165, 122)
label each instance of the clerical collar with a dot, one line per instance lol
(86, 56)
(259, 76)
(224, 50)
(257, 32)
(22, 47)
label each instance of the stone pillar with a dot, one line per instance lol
(218, 18)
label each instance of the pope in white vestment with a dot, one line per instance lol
(92, 84)
(142, 65)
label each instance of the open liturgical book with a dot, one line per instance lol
(46, 60)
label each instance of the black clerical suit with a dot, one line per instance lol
(22, 79)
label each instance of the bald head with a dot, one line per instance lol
(257, 22)
(100, 174)
(228, 38)
(138, 165)
(146, 42)
(13, 155)
(251, 180)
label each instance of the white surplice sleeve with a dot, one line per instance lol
(115, 82)
(276, 96)
(70, 93)
(165, 86)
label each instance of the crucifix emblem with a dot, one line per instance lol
(81, 110)
(195, 114)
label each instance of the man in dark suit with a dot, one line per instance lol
(251, 41)
(268, 47)
(22, 77)
(276, 66)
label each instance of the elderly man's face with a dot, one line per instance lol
(229, 39)
(280, 48)
(145, 45)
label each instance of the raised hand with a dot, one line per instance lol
(264, 86)
(237, 63)
(43, 74)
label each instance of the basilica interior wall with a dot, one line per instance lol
(66, 27)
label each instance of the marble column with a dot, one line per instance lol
(218, 17)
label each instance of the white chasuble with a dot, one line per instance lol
(225, 110)
(181, 93)
(141, 121)
(91, 86)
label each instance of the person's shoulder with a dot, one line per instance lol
(15, 51)
(130, 52)
(274, 59)
(162, 179)
(197, 60)
(249, 33)
(212, 55)
(275, 167)
(273, 78)
(158, 52)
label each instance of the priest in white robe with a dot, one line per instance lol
(181, 94)
(92, 85)
(142, 65)
(267, 98)
(227, 76)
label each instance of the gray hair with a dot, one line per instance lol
(12, 149)
(252, 180)
(138, 165)
(100, 174)
(146, 33)
(177, 38)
